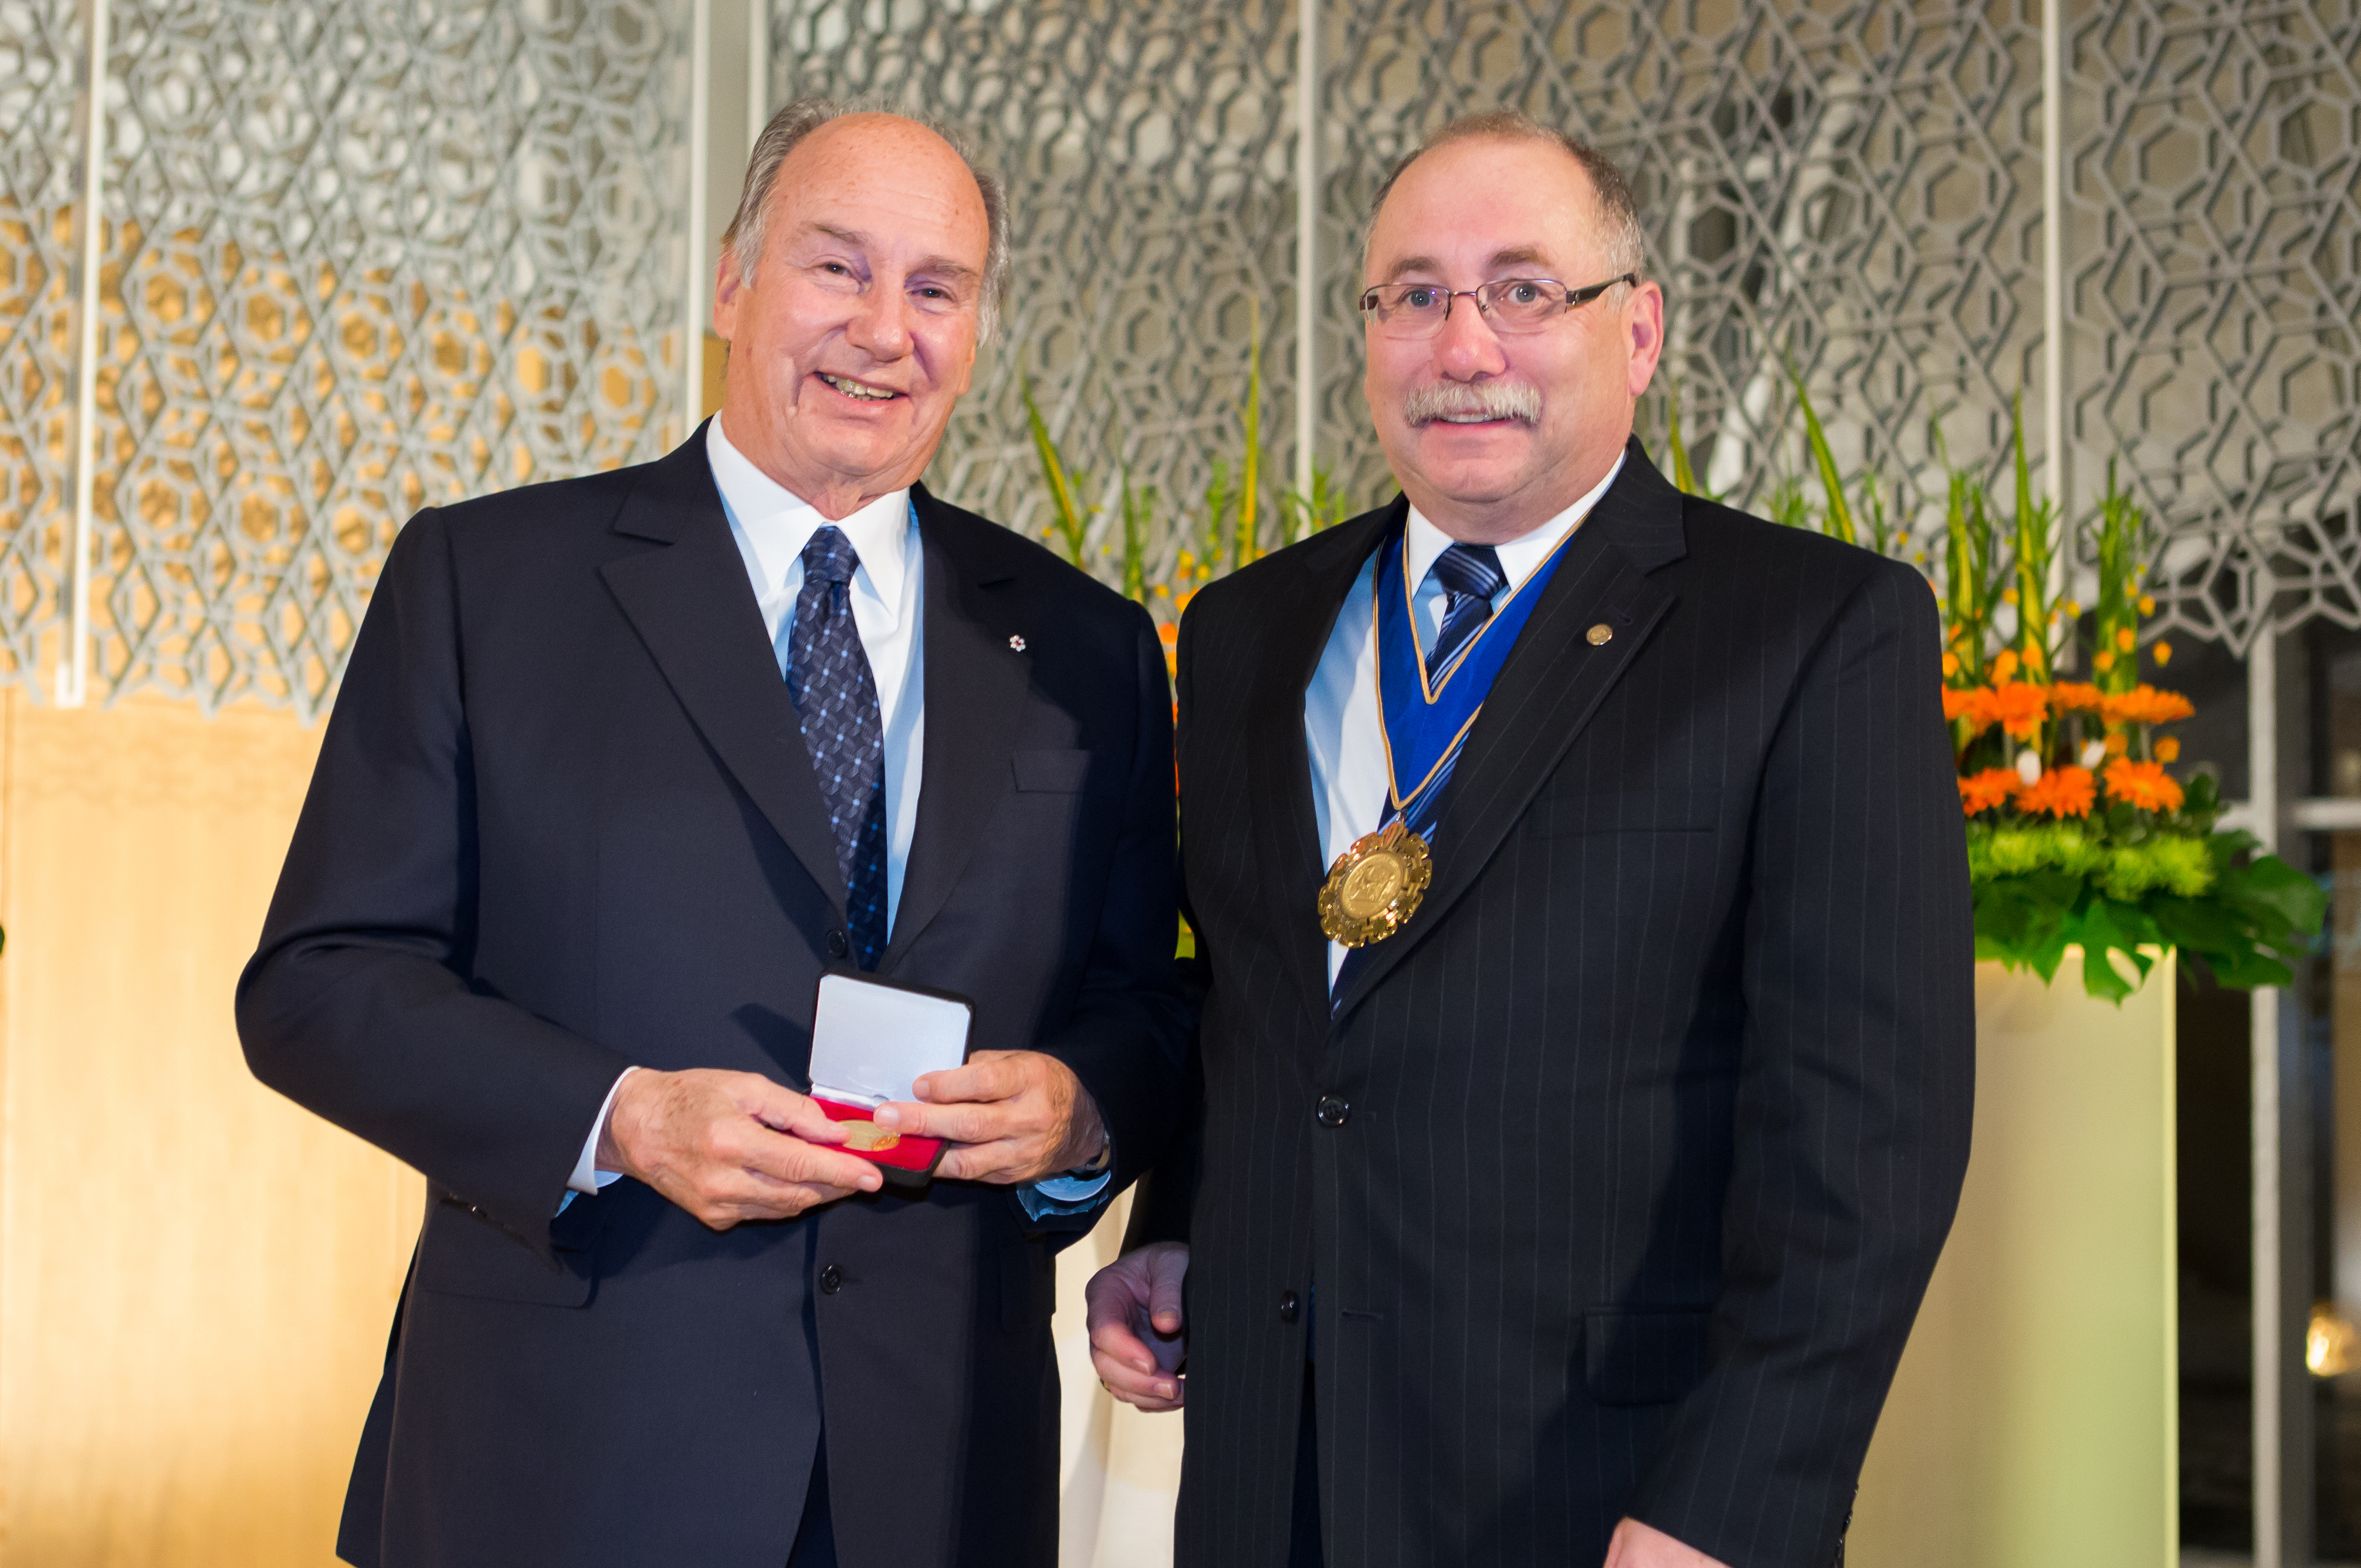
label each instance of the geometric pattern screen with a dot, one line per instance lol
(355, 260)
(359, 261)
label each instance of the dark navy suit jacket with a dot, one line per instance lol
(1639, 1140)
(563, 822)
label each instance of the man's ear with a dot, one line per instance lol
(727, 286)
(1643, 321)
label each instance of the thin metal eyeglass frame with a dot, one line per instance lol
(1484, 294)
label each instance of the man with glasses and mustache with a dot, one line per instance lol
(1576, 870)
(622, 765)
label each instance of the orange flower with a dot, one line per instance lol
(2075, 697)
(2145, 705)
(2167, 750)
(2017, 707)
(2062, 791)
(2004, 666)
(1982, 792)
(1965, 702)
(2143, 784)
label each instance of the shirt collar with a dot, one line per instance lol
(777, 523)
(1518, 556)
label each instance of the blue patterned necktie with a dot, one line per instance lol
(1470, 575)
(835, 695)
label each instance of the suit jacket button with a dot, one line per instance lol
(838, 944)
(1333, 1111)
(1288, 1306)
(831, 1280)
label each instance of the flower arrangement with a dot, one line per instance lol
(2078, 834)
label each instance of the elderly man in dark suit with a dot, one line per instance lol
(1588, 1057)
(622, 765)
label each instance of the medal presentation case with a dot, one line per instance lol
(871, 1040)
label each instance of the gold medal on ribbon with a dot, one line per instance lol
(1375, 886)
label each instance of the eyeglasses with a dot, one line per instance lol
(1511, 305)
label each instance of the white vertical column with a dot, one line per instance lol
(1307, 241)
(694, 307)
(2053, 255)
(2263, 790)
(758, 69)
(73, 670)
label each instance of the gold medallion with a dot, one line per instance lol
(868, 1135)
(1375, 886)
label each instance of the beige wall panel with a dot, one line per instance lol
(2033, 1422)
(196, 1278)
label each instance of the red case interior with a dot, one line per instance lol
(910, 1154)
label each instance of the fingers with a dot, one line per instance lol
(1136, 1367)
(961, 1124)
(1167, 1270)
(987, 1075)
(1155, 1393)
(1004, 1161)
(710, 1142)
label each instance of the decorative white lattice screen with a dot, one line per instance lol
(358, 259)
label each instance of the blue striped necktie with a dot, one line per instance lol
(835, 695)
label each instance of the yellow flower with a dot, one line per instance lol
(2162, 652)
(2167, 750)
(1950, 666)
(2073, 609)
(2008, 595)
(2146, 605)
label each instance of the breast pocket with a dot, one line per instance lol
(1051, 772)
(1633, 811)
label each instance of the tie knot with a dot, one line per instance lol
(831, 557)
(1471, 569)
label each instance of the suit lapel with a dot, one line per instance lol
(693, 609)
(975, 686)
(1552, 684)
(1286, 824)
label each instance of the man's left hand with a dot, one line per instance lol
(1013, 1116)
(1637, 1546)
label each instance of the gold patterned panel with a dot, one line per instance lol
(196, 1278)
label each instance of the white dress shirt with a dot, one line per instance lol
(1341, 722)
(771, 525)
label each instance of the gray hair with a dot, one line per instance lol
(1619, 210)
(743, 238)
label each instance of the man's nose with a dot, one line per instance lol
(1465, 346)
(880, 323)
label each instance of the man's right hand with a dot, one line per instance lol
(1134, 1318)
(729, 1146)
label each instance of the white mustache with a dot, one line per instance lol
(1469, 402)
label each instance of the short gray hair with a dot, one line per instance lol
(1619, 210)
(743, 238)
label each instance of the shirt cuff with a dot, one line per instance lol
(1066, 1194)
(587, 1178)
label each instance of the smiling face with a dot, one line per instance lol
(1490, 436)
(856, 335)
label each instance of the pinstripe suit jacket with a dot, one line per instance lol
(1658, 1108)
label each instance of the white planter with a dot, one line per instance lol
(2034, 1423)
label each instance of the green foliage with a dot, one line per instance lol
(1685, 477)
(1301, 516)
(1838, 518)
(1070, 520)
(2122, 883)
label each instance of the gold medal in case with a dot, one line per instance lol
(1375, 886)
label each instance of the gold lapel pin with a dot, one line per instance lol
(1018, 643)
(1600, 635)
